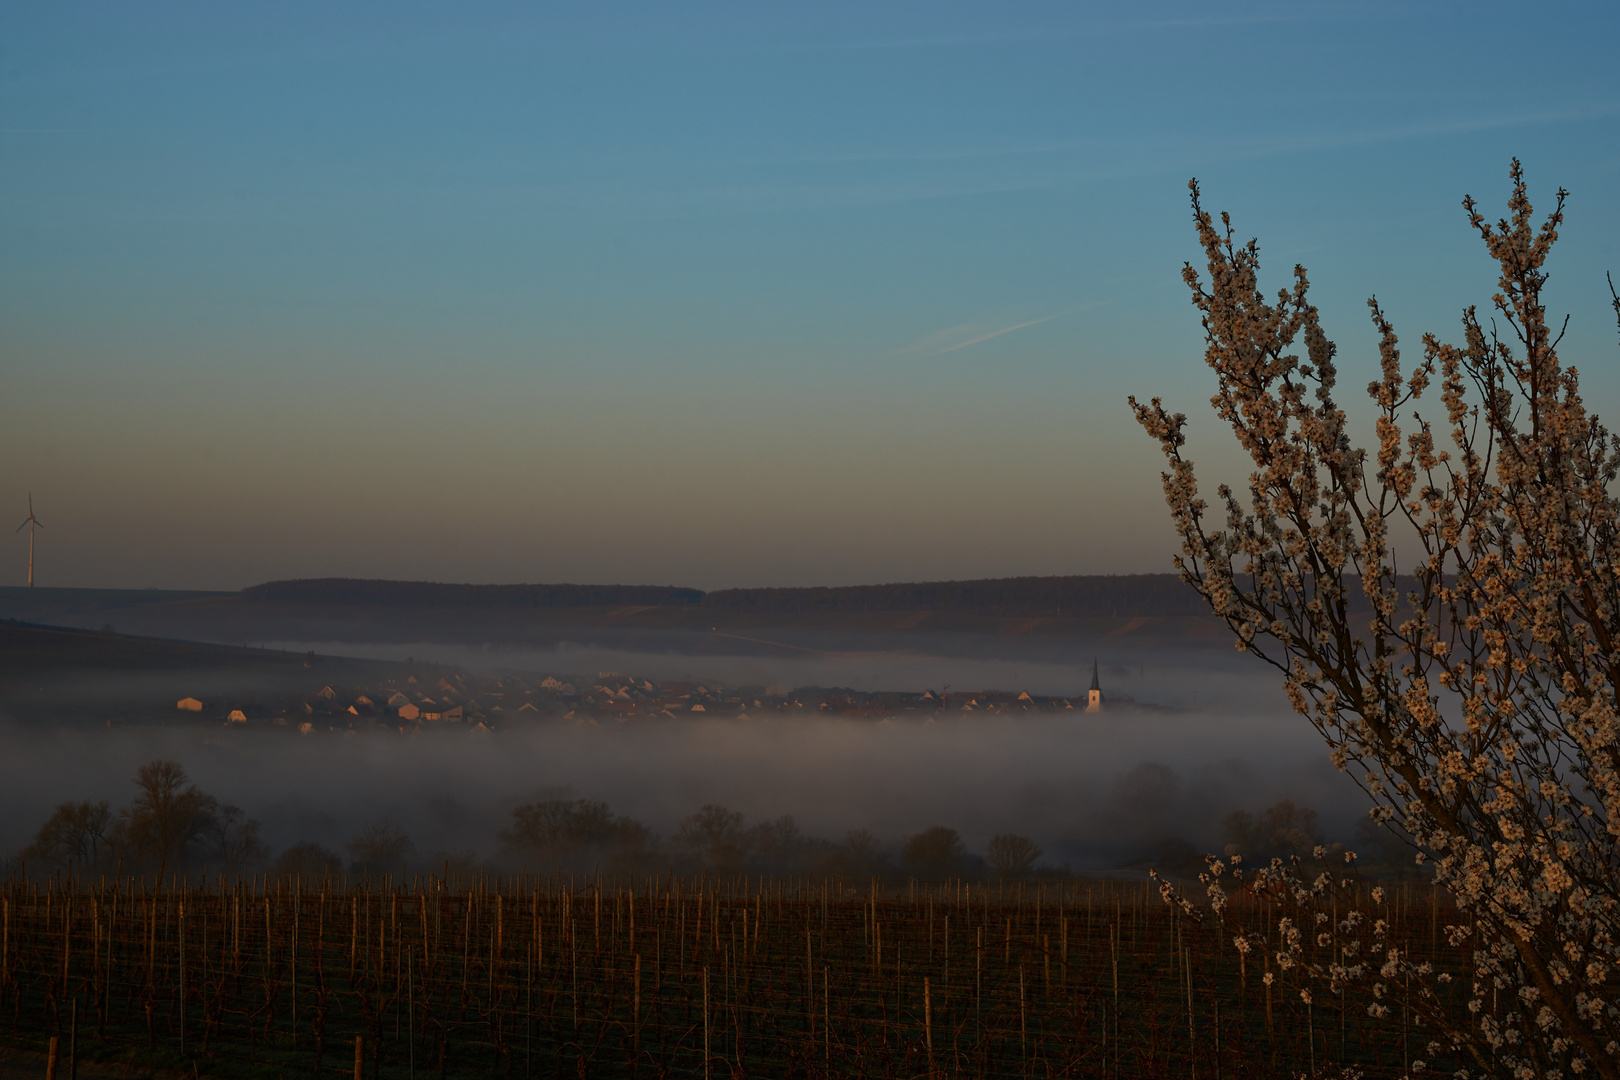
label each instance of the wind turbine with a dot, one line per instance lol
(31, 524)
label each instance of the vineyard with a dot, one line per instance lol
(549, 977)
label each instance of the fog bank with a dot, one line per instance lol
(1091, 789)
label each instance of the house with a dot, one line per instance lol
(188, 704)
(397, 700)
(409, 712)
(456, 713)
(237, 716)
(306, 728)
(327, 693)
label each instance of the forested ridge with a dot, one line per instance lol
(1126, 594)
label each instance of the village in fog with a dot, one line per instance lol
(460, 701)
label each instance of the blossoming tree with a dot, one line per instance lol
(1445, 610)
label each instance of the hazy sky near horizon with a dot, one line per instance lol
(715, 294)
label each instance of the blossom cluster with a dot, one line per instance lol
(1475, 693)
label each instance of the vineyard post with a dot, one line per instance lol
(1192, 1039)
(182, 929)
(1023, 1022)
(50, 1060)
(928, 1023)
(978, 983)
(359, 1057)
(466, 948)
(354, 935)
(826, 1018)
(809, 985)
(705, 1024)
(67, 931)
(528, 1000)
(1310, 1029)
(1271, 1033)
(1063, 967)
(1113, 957)
(292, 959)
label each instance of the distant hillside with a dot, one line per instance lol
(60, 675)
(368, 593)
(1126, 594)
(1123, 595)
(45, 603)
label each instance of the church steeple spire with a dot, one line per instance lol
(1094, 695)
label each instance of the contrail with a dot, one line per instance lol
(993, 334)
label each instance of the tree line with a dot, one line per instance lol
(172, 826)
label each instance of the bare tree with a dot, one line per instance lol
(381, 846)
(580, 833)
(77, 835)
(934, 851)
(168, 817)
(1282, 829)
(1013, 856)
(308, 860)
(715, 835)
(1472, 693)
(235, 841)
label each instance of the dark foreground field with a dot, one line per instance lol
(529, 976)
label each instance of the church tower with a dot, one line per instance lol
(1094, 695)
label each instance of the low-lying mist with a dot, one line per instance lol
(1094, 790)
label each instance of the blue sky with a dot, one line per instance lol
(715, 294)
